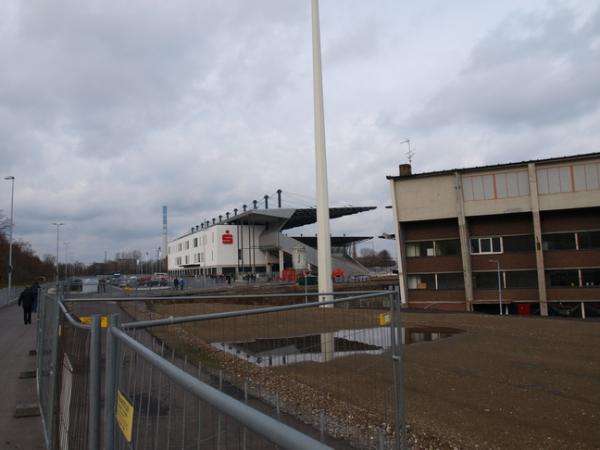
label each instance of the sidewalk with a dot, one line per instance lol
(16, 340)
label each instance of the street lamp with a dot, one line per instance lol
(66, 244)
(10, 236)
(499, 283)
(57, 225)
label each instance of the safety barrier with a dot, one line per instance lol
(181, 382)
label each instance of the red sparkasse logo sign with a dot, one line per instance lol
(227, 237)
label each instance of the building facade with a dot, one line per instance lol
(525, 234)
(253, 242)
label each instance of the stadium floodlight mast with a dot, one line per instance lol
(499, 283)
(57, 225)
(323, 234)
(10, 233)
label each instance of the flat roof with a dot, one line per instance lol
(497, 166)
(293, 217)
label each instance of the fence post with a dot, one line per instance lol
(94, 385)
(112, 347)
(398, 365)
(53, 371)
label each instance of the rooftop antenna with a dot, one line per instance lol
(409, 154)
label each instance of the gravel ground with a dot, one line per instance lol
(507, 382)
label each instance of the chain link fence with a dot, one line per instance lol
(221, 372)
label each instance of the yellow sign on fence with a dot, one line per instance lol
(88, 320)
(124, 415)
(384, 319)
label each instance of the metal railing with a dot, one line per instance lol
(165, 388)
(8, 297)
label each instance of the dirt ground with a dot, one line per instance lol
(506, 382)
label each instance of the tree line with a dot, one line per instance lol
(29, 267)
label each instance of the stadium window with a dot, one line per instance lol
(590, 277)
(522, 243)
(588, 239)
(450, 280)
(558, 241)
(424, 248)
(485, 280)
(487, 245)
(422, 281)
(449, 247)
(562, 278)
(520, 279)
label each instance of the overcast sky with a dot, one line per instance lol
(111, 109)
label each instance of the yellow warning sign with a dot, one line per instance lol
(385, 319)
(88, 320)
(124, 415)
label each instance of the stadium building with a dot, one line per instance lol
(523, 234)
(253, 241)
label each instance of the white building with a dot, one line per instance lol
(253, 242)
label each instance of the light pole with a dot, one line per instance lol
(499, 283)
(66, 244)
(57, 225)
(10, 236)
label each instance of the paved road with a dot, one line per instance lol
(16, 339)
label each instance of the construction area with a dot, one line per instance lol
(471, 380)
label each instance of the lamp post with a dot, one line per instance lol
(57, 225)
(499, 283)
(10, 236)
(66, 244)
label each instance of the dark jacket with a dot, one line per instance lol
(26, 298)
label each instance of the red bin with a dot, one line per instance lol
(524, 309)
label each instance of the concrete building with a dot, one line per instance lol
(253, 241)
(533, 225)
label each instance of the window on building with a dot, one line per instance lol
(187, 245)
(562, 278)
(590, 277)
(522, 243)
(179, 247)
(450, 247)
(496, 186)
(588, 239)
(554, 180)
(586, 177)
(486, 245)
(195, 242)
(485, 280)
(423, 281)
(558, 241)
(520, 279)
(424, 248)
(178, 260)
(187, 259)
(450, 280)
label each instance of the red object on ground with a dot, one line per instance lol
(338, 272)
(288, 275)
(523, 309)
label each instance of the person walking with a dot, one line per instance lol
(26, 300)
(176, 283)
(182, 284)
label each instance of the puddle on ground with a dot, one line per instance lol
(272, 352)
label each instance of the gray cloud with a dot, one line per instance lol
(532, 70)
(109, 110)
